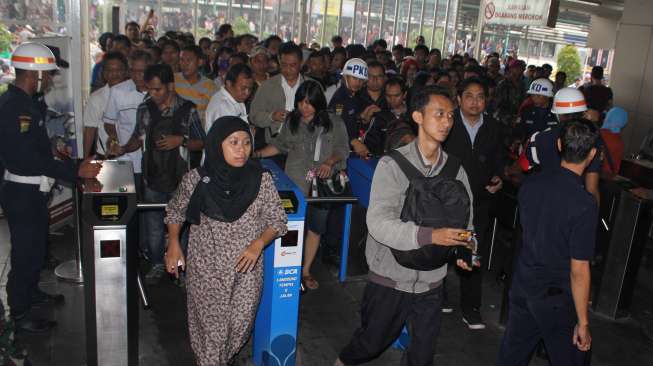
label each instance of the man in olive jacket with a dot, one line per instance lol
(275, 98)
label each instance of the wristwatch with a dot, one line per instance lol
(184, 141)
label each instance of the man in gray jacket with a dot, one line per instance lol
(396, 295)
(276, 96)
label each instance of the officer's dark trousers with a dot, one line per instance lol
(551, 318)
(26, 209)
(384, 311)
(471, 283)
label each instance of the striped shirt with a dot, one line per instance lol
(199, 93)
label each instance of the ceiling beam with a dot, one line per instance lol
(604, 8)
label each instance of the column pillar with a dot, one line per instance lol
(631, 78)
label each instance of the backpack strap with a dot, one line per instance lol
(318, 144)
(451, 167)
(406, 166)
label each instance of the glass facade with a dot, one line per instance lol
(450, 25)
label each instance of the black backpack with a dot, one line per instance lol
(435, 202)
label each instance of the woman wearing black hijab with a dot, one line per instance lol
(235, 210)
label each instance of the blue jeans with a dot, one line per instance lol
(156, 238)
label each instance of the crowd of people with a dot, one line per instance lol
(194, 117)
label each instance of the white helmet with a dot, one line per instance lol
(33, 56)
(568, 100)
(542, 86)
(355, 67)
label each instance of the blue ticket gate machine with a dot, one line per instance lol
(109, 267)
(275, 329)
(360, 175)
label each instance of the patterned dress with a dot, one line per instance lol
(222, 303)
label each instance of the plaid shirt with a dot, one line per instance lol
(192, 125)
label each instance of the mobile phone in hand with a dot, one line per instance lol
(465, 254)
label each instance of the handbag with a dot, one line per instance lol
(337, 185)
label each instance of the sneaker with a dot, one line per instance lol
(155, 274)
(473, 319)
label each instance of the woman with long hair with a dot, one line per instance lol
(310, 127)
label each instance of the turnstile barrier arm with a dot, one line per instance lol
(142, 291)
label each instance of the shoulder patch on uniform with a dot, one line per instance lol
(24, 121)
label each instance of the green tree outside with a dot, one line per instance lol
(569, 62)
(5, 42)
(5, 49)
(331, 29)
(240, 26)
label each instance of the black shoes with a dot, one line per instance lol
(473, 319)
(26, 323)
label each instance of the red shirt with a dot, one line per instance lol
(527, 103)
(615, 147)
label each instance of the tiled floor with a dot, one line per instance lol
(328, 317)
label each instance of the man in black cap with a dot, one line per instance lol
(57, 55)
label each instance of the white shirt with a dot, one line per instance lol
(223, 104)
(289, 92)
(472, 131)
(93, 115)
(330, 91)
(121, 112)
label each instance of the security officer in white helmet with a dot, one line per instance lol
(29, 171)
(344, 104)
(537, 117)
(542, 149)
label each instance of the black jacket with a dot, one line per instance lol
(25, 148)
(481, 161)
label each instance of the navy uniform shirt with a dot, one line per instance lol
(24, 145)
(365, 100)
(542, 150)
(558, 218)
(346, 105)
(536, 119)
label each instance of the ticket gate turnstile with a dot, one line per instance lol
(625, 225)
(275, 329)
(110, 266)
